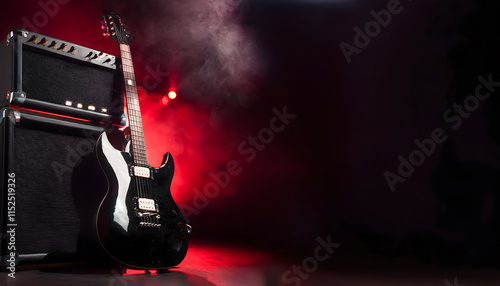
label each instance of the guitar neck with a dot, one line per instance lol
(133, 108)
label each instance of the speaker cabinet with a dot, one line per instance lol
(51, 186)
(44, 73)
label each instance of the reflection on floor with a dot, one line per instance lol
(209, 264)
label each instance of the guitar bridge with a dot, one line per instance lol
(146, 211)
(149, 220)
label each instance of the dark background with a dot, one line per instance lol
(233, 63)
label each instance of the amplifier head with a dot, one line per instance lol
(48, 74)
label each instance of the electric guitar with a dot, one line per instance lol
(138, 223)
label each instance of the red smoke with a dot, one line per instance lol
(186, 131)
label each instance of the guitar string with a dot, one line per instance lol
(147, 181)
(145, 188)
(148, 187)
(143, 159)
(131, 113)
(139, 161)
(137, 155)
(143, 184)
(135, 152)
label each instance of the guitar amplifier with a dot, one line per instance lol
(47, 74)
(51, 187)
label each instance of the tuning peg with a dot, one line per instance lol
(105, 34)
(104, 27)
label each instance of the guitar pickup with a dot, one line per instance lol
(142, 172)
(146, 204)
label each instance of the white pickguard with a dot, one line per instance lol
(118, 164)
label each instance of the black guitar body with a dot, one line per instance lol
(138, 222)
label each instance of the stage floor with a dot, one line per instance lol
(210, 264)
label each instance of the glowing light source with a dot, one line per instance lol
(165, 100)
(172, 94)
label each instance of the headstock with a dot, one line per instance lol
(113, 26)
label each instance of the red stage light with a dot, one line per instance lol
(165, 100)
(172, 95)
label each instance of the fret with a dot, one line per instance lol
(134, 115)
(127, 70)
(137, 125)
(134, 104)
(126, 55)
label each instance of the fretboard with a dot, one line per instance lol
(133, 108)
